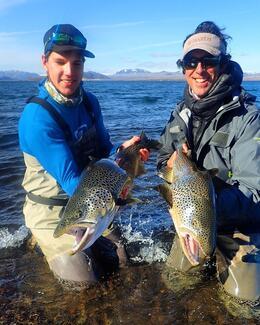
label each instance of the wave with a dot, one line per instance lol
(15, 239)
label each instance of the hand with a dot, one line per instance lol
(128, 143)
(144, 153)
(173, 157)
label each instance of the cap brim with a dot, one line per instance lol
(208, 42)
(211, 50)
(65, 48)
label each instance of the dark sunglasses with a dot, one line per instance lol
(190, 63)
(64, 39)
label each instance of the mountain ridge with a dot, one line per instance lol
(124, 74)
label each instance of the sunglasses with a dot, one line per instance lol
(65, 39)
(190, 63)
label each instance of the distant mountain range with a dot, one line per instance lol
(141, 74)
(124, 74)
(18, 75)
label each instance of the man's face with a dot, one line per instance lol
(201, 79)
(64, 70)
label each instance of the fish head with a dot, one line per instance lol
(93, 206)
(87, 221)
(86, 237)
(197, 241)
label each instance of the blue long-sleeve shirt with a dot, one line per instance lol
(42, 138)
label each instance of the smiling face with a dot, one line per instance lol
(64, 70)
(201, 79)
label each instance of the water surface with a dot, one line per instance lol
(145, 292)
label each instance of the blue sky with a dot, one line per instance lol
(145, 34)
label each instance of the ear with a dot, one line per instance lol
(44, 61)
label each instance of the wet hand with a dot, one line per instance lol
(128, 143)
(173, 157)
(144, 153)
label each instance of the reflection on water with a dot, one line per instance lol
(140, 294)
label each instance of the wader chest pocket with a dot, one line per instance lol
(221, 144)
(221, 139)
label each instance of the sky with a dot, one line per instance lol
(126, 34)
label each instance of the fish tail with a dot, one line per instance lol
(149, 143)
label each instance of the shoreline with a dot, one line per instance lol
(121, 79)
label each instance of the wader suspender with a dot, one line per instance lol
(68, 136)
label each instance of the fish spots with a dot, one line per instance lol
(193, 207)
(100, 186)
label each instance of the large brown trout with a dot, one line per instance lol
(190, 195)
(104, 186)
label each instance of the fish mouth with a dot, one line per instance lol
(82, 238)
(192, 249)
(86, 235)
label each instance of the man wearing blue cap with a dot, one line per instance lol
(60, 131)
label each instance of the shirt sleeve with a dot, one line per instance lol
(167, 148)
(40, 137)
(239, 204)
(105, 143)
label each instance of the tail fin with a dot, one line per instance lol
(149, 143)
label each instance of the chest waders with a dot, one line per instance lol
(238, 252)
(83, 150)
(101, 259)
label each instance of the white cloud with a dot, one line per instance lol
(118, 25)
(164, 55)
(10, 37)
(141, 47)
(5, 4)
(158, 66)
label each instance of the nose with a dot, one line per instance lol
(200, 68)
(68, 69)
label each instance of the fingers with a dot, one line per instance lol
(130, 142)
(144, 154)
(171, 160)
(185, 150)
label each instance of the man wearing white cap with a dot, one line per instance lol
(218, 120)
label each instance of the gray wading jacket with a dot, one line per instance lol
(230, 143)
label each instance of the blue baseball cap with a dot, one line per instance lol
(65, 37)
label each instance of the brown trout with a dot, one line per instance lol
(104, 186)
(190, 195)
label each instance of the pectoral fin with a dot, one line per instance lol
(166, 192)
(166, 174)
(128, 200)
